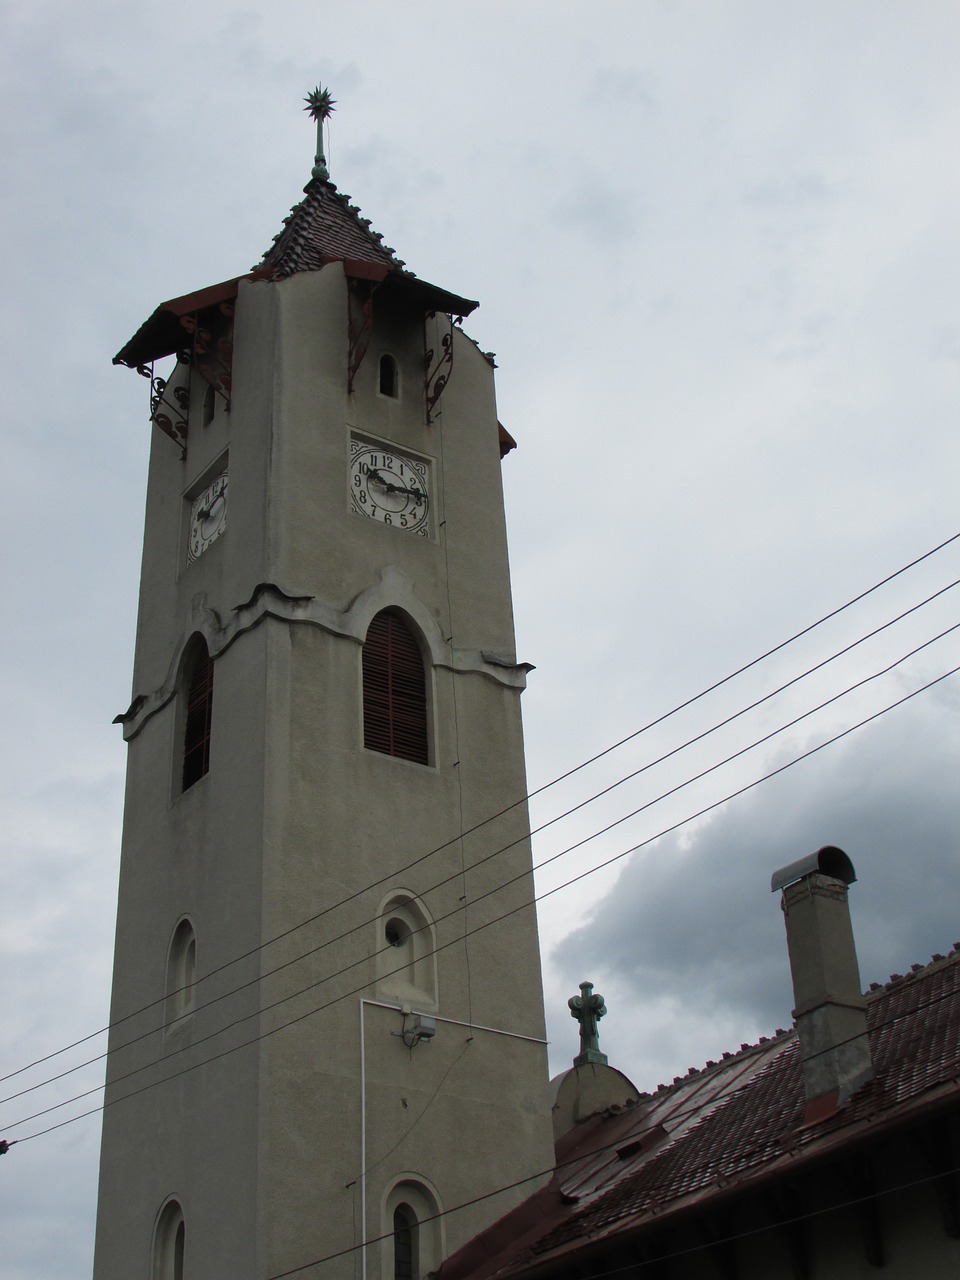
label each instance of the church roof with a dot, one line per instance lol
(727, 1130)
(323, 228)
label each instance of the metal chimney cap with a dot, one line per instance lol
(829, 861)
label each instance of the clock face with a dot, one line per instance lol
(208, 517)
(390, 487)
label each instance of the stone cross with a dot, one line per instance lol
(588, 1009)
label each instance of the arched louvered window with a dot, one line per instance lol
(394, 690)
(198, 673)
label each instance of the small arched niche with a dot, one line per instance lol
(169, 1240)
(406, 952)
(181, 976)
(412, 1230)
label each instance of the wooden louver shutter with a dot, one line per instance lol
(196, 744)
(394, 691)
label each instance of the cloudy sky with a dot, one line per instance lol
(715, 247)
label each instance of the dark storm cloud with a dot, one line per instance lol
(693, 917)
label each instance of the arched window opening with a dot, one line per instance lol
(169, 1239)
(405, 951)
(181, 974)
(413, 1230)
(389, 377)
(198, 696)
(394, 690)
(178, 1244)
(404, 1243)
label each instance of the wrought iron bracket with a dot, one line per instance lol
(436, 365)
(212, 347)
(169, 414)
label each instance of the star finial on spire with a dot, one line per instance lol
(321, 106)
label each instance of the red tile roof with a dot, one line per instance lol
(324, 227)
(726, 1128)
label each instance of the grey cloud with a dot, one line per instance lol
(694, 917)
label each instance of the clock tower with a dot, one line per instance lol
(327, 1038)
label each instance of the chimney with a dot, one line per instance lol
(831, 1013)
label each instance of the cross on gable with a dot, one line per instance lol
(588, 1009)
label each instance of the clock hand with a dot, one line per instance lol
(399, 488)
(390, 487)
(205, 512)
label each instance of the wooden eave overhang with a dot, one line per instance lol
(163, 333)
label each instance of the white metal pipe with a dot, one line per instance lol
(396, 1008)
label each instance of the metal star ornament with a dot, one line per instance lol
(320, 105)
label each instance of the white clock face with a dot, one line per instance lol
(208, 517)
(390, 487)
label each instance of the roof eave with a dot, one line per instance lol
(871, 1129)
(162, 334)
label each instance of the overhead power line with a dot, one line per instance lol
(458, 940)
(537, 791)
(495, 853)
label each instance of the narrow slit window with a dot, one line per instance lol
(404, 1243)
(389, 377)
(199, 714)
(209, 404)
(394, 691)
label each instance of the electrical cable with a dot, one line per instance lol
(636, 1264)
(522, 800)
(602, 831)
(535, 831)
(522, 907)
(675, 1117)
(498, 888)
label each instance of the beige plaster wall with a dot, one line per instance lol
(297, 820)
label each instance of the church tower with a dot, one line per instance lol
(327, 1026)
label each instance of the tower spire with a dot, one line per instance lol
(321, 106)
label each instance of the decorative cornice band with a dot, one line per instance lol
(394, 590)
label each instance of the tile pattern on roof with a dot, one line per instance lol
(743, 1118)
(322, 226)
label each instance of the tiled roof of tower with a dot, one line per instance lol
(324, 226)
(725, 1130)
